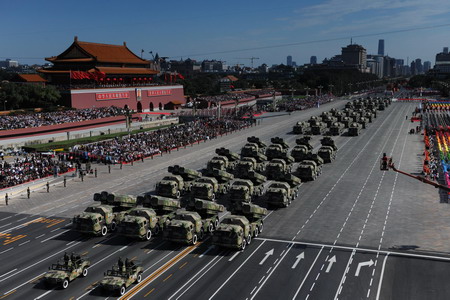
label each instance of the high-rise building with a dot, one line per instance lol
(419, 66)
(413, 69)
(381, 47)
(313, 60)
(376, 64)
(356, 55)
(289, 61)
(426, 66)
(399, 63)
(442, 64)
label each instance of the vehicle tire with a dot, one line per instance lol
(148, 235)
(122, 290)
(256, 233)
(249, 239)
(85, 272)
(139, 278)
(211, 227)
(194, 239)
(216, 224)
(261, 227)
(65, 283)
(178, 194)
(104, 230)
(213, 197)
(156, 229)
(202, 234)
(244, 243)
(113, 226)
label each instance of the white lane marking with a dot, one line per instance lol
(21, 285)
(234, 255)
(273, 270)
(8, 217)
(38, 262)
(56, 229)
(24, 243)
(7, 273)
(121, 249)
(4, 251)
(381, 277)
(206, 251)
(347, 268)
(5, 225)
(22, 219)
(39, 236)
(307, 274)
(21, 225)
(199, 277)
(43, 241)
(43, 295)
(228, 279)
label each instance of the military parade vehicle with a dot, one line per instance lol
(346, 121)
(349, 105)
(209, 211)
(98, 219)
(308, 170)
(188, 227)
(66, 270)
(369, 116)
(218, 163)
(354, 129)
(255, 215)
(305, 141)
(327, 153)
(354, 116)
(171, 186)
(139, 223)
(329, 120)
(300, 152)
(121, 276)
(280, 194)
(164, 208)
(188, 175)
(256, 140)
(242, 191)
(363, 121)
(232, 156)
(247, 164)
(277, 168)
(381, 106)
(301, 128)
(337, 128)
(206, 188)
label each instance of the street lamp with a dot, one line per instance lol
(307, 91)
(320, 90)
(4, 105)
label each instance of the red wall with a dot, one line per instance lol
(86, 98)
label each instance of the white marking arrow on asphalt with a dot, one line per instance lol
(331, 261)
(299, 258)
(268, 253)
(363, 264)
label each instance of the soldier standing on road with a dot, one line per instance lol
(48, 187)
(28, 192)
(109, 168)
(95, 172)
(6, 199)
(121, 164)
(81, 175)
(65, 181)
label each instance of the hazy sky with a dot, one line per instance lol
(32, 30)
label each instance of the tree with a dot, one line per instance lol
(20, 96)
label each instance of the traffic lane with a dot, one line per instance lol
(100, 262)
(362, 278)
(415, 279)
(192, 269)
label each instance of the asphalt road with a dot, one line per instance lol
(354, 233)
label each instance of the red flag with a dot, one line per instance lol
(180, 76)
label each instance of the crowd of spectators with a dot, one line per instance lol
(225, 97)
(29, 168)
(141, 145)
(304, 103)
(58, 117)
(263, 93)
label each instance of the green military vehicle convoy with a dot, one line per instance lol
(66, 270)
(121, 276)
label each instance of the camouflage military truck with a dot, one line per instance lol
(349, 105)
(242, 191)
(256, 140)
(368, 115)
(301, 128)
(66, 270)
(188, 175)
(337, 128)
(363, 121)
(121, 276)
(300, 152)
(207, 188)
(171, 186)
(247, 164)
(280, 141)
(209, 211)
(293, 181)
(232, 156)
(164, 208)
(253, 150)
(328, 141)
(346, 121)
(327, 153)
(354, 116)
(257, 179)
(381, 106)
(308, 170)
(98, 219)
(277, 168)
(220, 163)
(354, 129)
(280, 194)
(318, 128)
(236, 231)
(188, 227)
(329, 120)
(140, 223)
(340, 115)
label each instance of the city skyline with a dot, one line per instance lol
(409, 29)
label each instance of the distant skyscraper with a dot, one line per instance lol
(381, 47)
(413, 70)
(442, 64)
(313, 60)
(426, 66)
(419, 66)
(355, 55)
(289, 61)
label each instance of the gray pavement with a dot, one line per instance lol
(341, 239)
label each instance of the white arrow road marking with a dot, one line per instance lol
(299, 258)
(363, 264)
(268, 253)
(331, 261)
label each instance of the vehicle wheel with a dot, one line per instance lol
(139, 278)
(213, 197)
(113, 226)
(178, 194)
(85, 272)
(148, 236)
(249, 239)
(244, 243)
(202, 234)
(261, 227)
(156, 229)
(216, 224)
(194, 239)
(211, 227)
(256, 233)
(122, 290)
(65, 283)
(104, 230)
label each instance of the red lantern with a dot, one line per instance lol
(120, 78)
(115, 79)
(140, 78)
(108, 79)
(134, 78)
(145, 78)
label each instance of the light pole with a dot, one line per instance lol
(320, 87)
(307, 91)
(4, 105)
